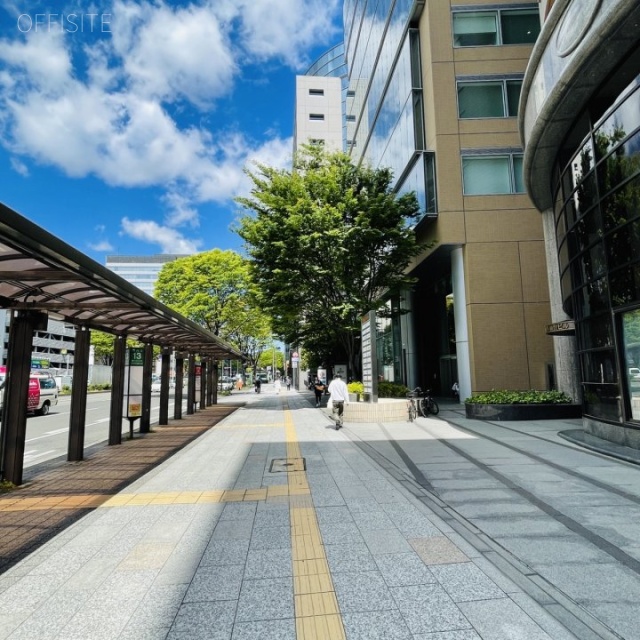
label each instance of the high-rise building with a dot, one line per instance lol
(433, 94)
(580, 119)
(321, 94)
(141, 271)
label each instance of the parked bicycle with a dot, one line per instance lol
(412, 404)
(421, 402)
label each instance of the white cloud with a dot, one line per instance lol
(19, 167)
(170, 240)
(104, 246)
(286, 29)
(171, 53)
(116, 115)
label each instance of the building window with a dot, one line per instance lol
(351, 118)
(500, 26)
(351, 93)
(489, 99)
(494, 174)
(316, 92)
(316, 116)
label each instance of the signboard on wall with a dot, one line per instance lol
(369, 358)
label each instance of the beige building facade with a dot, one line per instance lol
(441, 110)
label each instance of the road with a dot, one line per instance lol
(47, 436)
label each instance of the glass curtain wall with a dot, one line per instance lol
(598, 233)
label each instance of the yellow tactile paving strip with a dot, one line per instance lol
(142, 499)
(316, 606)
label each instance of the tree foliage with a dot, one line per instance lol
(208, 288)
(215, 290)
(328, 241)
(102, 344)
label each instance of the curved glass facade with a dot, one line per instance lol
(597, 195)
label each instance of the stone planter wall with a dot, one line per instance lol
(385, 410)
(523, 411)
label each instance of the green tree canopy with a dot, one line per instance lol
(328, 241)
(215, 290)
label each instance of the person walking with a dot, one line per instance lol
(318, 389)
(277, 385)
(288, 383)
(339, 396)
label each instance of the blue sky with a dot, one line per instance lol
(125, 125)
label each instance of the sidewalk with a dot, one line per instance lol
(272, 525)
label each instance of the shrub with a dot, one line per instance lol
(392, 390)
(519, 397)
(355, 387)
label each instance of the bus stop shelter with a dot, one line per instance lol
(42, 277)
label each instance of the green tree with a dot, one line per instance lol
(215, 290)
(328, 241)
(103, 346)
(208, 288)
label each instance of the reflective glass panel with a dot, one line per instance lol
(482, 176)
(480, 100)
(520, 27)
(475, 29)
(631, 346)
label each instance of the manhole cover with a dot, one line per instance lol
(283, 465)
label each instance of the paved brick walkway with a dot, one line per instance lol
(51, 500)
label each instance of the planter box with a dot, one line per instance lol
(523, 411)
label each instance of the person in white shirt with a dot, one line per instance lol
(339, 396)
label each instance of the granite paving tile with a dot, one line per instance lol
(271, 538)
(376, 625)
(465, 634)
(465, 581)
(427, 608)
(340, 533)
(365, 591)
(502, 619)
(238, 511)
(233, 529)
(337, 514)
(215, 582)
(268, 563)
(373, 519)
(265, 600)
(437, 550)
(225, 552)
(402, 569)
(380, 541)
(349, 558)
(265, 630)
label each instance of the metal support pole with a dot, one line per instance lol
(164, 386)
(177, 406)
(215, 381)
(191, 384)
(210, 367)
(203, 383)
(147, 370)
(77, 420)
(14, 424)
(117, 390)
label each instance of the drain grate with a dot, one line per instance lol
(284, 465)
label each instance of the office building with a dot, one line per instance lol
(321, 93)
(433, 93)
(580, 120)
(141, 271)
